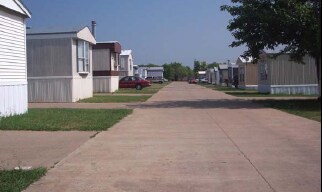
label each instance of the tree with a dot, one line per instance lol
(199, 66)
(266, 24)
(168, 71)
(176, 71)
(150, 65)
(212, 65)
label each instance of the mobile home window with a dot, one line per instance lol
(83, 56)
(122, 63)
(264, 71)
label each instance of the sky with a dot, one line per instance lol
(158, 31)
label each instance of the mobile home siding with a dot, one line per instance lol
(289, 77)
(286, 72)
(12, 48)
(251, 74)
(49, 57)
(13, 77)
(101, 60)
(50, 89)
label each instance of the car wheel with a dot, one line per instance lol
(138, 87)
(161, 82)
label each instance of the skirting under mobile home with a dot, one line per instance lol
(282, 76)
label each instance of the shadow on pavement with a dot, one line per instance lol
(199, 104)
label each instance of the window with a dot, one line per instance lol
(264, 71)
(122, 63)
(83, 56)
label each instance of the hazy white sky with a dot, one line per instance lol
(158, 31)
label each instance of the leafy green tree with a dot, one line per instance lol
(266, 24)
(168, 71)
(176, 71)
(149, 65)
(212, 65)
(199, 66)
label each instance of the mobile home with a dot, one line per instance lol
(13, 62)
(282, 76)
(106, 57)
(60, 65)
(248, 73)
(126, 63)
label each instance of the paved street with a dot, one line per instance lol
(187, 138)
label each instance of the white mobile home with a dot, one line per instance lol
(126, 63)
(213, 76)
(60, 65)
(140, 71)
(13, 62)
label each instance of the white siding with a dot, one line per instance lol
(13, 77)
(13, 99)
(12, 48)
(82, 88)
(50, 89)
(105, 84)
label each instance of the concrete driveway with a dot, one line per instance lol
(188, 138)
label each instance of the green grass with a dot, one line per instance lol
(115, 99)
(154, 88)
(310, 109)
(65, 119)
(257, 94)
(18, 180)
(225, 88)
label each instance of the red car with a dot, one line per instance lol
(193, 81)
(133, 82)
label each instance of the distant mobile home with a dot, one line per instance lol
(140, 71)
(248, 73)
(213, 76)
(126, 63)
(223, 73)
(60, 65)
(155, 72)
(282, 76)
(13, 62)
(106, 57)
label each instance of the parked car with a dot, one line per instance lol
(133, 82)
(203, 80)
(192, 81)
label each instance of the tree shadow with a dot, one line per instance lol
(199, 104)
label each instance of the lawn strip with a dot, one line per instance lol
(65, 119)
(257, 94)
(18, 180)
(310, 109)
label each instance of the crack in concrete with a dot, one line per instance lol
(245, 156)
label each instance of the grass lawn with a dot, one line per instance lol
(115, 99)
(225, 88)
(154, 88)
(65, 119)
(310, 109)
(257, 94)
(18, 180)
